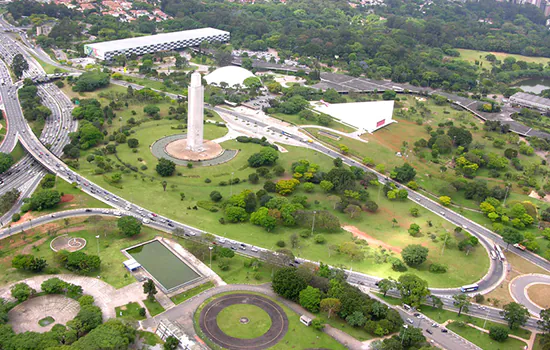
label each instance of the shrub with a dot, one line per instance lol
(438, 268)
(319, 239)
(498, 333)
(15, 217)
(281, 244)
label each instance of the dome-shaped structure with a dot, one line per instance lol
(231, 75)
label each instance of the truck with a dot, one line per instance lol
(520, 247)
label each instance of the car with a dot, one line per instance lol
(88, 210)
(171, 225)
(146, 221)
(255, 250)
(233, 248)
(53, 215)
(410, 321)
(242, 248)
(429, 331)
(444, 330)
(442, 213)
(435, 325)
(417, 314)
(243, 245)
(520, 247)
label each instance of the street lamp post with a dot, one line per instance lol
(405, 330)
(506, 196)
(486, 316)
(231, 184)
(313, 223)
(210, 249)
(97, 244)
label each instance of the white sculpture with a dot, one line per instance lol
(195, 114)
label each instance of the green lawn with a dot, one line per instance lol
(46, 321)
(229, 321)
(149, 338)
(357, 332)
(129, 311)
(537, 344)
(473, 55)
(483, 340)
(295, 119)
(180, 298)
(3, 128)
(37, 126)
(18, 152)
(48, 68)
(298, 336)
(153, 307)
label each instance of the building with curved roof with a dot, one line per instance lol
(231, 75)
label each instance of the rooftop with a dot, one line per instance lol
(129, 43)
(532, 98)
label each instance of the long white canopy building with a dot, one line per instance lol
(367, 116)
(107, 50)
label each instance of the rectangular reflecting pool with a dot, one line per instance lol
(168, 269)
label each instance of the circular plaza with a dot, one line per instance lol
(40, 314)
(243, 321)
(174, 148)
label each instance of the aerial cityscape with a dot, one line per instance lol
(293, 174)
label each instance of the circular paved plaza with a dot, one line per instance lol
(174, 148)
(25, 317)
(208, 321)
(65, 242)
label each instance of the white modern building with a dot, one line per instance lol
(107, 50)
(231, 75)
(531, 101)
(367, 116)
(195, 114)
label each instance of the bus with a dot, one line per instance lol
(469, 288)
(499, 252)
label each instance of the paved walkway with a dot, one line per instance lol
(184, 312)
(105, 295)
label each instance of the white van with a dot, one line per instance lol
(146, 221)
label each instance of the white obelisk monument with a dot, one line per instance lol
(195, 114)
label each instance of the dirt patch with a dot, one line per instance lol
(371, 240)
(538, 293)
(28, 248)
(67, 198)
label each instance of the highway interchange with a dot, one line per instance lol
(27, 173)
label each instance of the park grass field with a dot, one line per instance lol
(298, 336)
(180, 298)
(473, 55)
(153, 307)
(129, 312)
(18, 152)
(483, 340)
(258, 324)
(48, 68)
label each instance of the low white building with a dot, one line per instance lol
(231, 75)
(368, 116)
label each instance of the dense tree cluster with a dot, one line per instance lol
(78, 261)
(6, 161)
(33, 110)
(90, 81)
(41, 200)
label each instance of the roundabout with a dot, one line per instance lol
(526, 290)
(243, 321)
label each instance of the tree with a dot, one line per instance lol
(413, 289)
(21, 291)
(288, 283)
(44, 199)
(460, 136)
(29, 263)
(262, 218)
(338, 162)
(511, 237)
(165, 167)
(113, 334)
(285, 187)
(436, 302)
(330, 306)
(411, 337)
(215, 196)
(445, 200)
(81, 262)
(53, 286)
(415, 212)
(414, 254)
(404, 173)
(326, 185)
(150, 289)
(356, 319)
(266, 156)
(385, 285)
(310, 298)
(498, 333)
(129, 226)
(462, 302)
(19, 65)
(516, 315)
(164, 184)
(413, 230)
(6, 161)
(133, 143)
(544, 322)
(171, 343)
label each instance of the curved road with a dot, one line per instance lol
(518, 289)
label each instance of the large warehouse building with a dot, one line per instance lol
(531, 101)
(107, 50)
